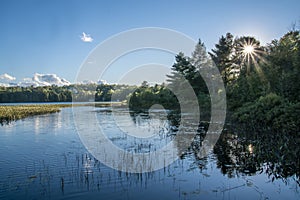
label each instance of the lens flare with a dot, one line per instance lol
(248, 49)
(252, 54)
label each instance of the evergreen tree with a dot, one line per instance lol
(181, 69)
(199, 57)
(283, 67)
(202, 64)
(247, 60)
(222, 57)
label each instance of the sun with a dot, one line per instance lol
(248, 49)
(251, 54)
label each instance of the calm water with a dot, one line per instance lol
(42, 157)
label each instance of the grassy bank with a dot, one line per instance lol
(11, 113)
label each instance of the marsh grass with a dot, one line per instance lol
(12, 113)
(15, 112)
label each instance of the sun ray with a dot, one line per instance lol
(258, 68)
(249, 49)
(251, 54)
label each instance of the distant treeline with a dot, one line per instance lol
(80, 92)
(35, 94)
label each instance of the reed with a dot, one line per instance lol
(12, 113)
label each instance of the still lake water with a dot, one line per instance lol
(42, 157)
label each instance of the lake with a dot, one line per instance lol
(43, 157)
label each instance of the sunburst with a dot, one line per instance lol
(248, 49)
(252, 54)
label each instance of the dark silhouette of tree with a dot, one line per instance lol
(222, 57)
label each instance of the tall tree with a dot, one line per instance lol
(283, 68)
(182, 68)
(222, 57)
(199, 56)
(248, 53)
(202, 64)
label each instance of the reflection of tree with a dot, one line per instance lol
(235, 155)
(250, 153)
(246, 153)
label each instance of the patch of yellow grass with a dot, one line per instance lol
(11, 113)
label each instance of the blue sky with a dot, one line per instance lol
(44, 36)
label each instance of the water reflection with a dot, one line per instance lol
(57, 165)
(277, 155)
(241, 153)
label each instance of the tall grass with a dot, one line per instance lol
(12, 113)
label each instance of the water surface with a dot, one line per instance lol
(42, 157)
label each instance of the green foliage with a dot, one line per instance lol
(270, 112)
(35, 94)
(188, 71)
(183, 70)
(77, 93)
(283, 69)
(269, 99)
(222, 57)
(262, 86)
(245, 89)
(146, 96)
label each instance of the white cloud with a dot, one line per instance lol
(49, 79)
(100, 82)
(27, 82)
(40, 80)
(86, 82)
(4, 85)
(7, 77)
(86, 37)
(44, 80)
(7, 80)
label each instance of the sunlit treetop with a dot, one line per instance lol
(250, 52)
(248, 49)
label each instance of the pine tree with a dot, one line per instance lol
(199, 56)
(222, 57)
(202, 65)
(246, 61)
(181, 69)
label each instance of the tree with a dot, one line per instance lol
(187, 71)
(222, 57)
(247, 54)
(201, 63)
(199, 56)
(182, 68)
(283, 68)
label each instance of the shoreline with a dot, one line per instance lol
(15, 111)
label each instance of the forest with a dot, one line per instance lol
(261, 83)
(75, 92)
